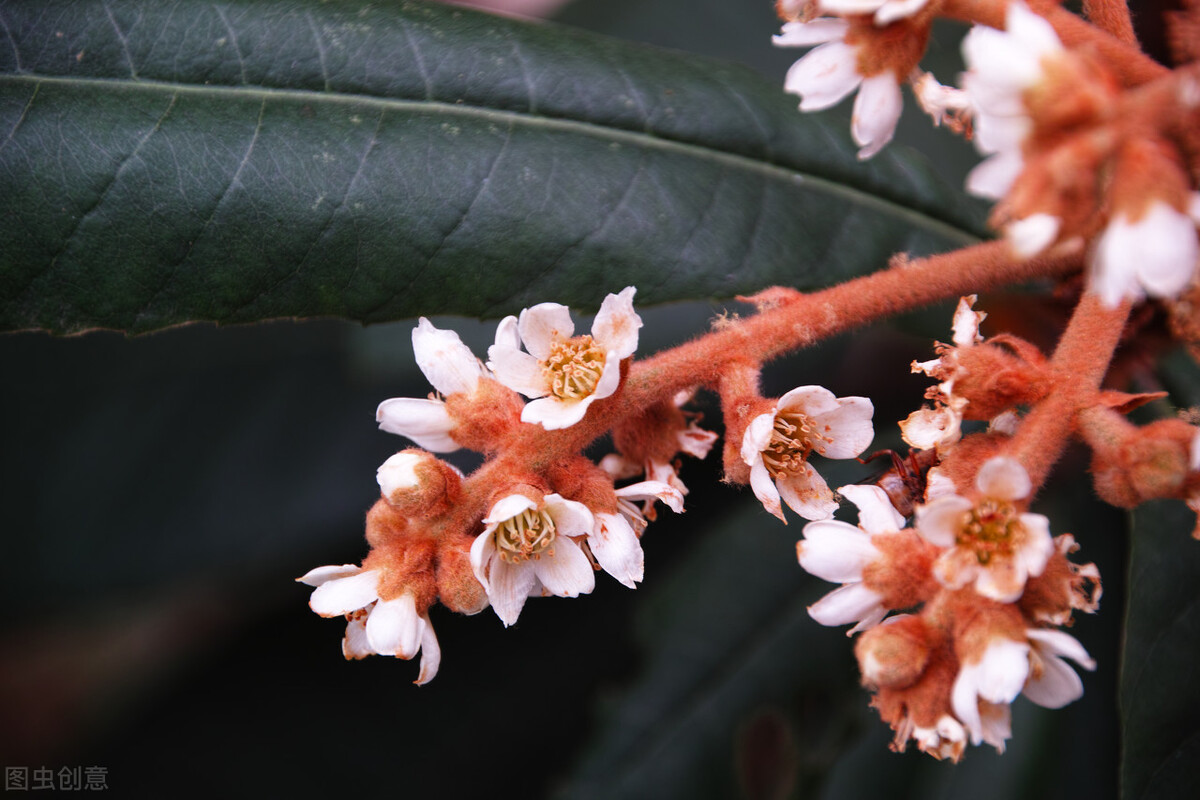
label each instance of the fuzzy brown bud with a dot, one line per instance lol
(419, 485)
(894, 655)
(457, 587)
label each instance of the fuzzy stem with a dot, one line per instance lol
(1113, 17)
(1126, 59)
(1080, 363)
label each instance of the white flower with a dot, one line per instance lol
(564, 373)
(937, 100)
(1155, 255)
(375, 626)
(614, 539)
(838, 551)
(1002, 65)
(777, 444)
(983, 690)
(928, 428)
(527, 547)
(988, 543)
(1051, 682)
(945, 740)
(829, 73)
(399, 473)
(885, 11)
(452, 369)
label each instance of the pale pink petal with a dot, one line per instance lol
(938, 484)
(354, 643)
(994, 176)
(847, 7)
(1029, 236)
(876, 111)
(616, 325)
(610, 378)
(869, 620)
(1032, 30)
(757, 437)
(966, 322)
(1002, 672)
(509, 588)
(928, 428)
(807, 493)
(1038, 545)
(483, 549)
(824, 76)
(850, 603)
(398, 473)
(319, 575)
(653, 490)
(394, 628)
(567, 573)
(448, 363)
(1056, 686)
(1113, 274)
(848, 425)
(542, 325)
(518, 370)
(897, 9)
(996, 724)
(1194, 452)
(1058, 643)
(964, 699)
(811, 401)
(571, 518)
(431, 655)
(508, 334)
(508, 507)
(616, 548)
(957, 567)
(939, 521)
(835, 551)
(876, 514)
(554, 414)
(695, 441)
(1169, 251)
(807, 34)
(1002, 580)
(426, 422)
(764, 489)
(343, 595)
(1004, 479)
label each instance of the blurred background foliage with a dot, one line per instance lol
(163, 491)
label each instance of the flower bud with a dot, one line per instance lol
(418, 484)
(457, 586)
(894, 655)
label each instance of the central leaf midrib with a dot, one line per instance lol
(505, 116)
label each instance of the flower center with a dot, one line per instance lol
(792, 439)
(990, 529)
(525, 536)
(573, 367)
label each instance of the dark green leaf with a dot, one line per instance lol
(166, 161)
(1160, 681)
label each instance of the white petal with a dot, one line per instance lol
(508, 336)
(928, 428)
(1169, 251)
(876, 112)
(616, 548)
(319, 575)
(809, 400)
(1057, 685)
(610, 378)
(1032, 30)
(876, 514)
(1113, 275)
(764, 489)
(939, 521)
(354, 643)
(1058, 643)
(964, 699)
(571, 518)
(806, 34)
(848, 425)
(483, 549)
(398, 473)
(1038, 545)
(518, 370)
(897, 9)
(1002, 672)
(567, 573)
(616, 325)
(426, 422)
(448, 363)
(695, 441)
(653, 490)
(757, 437)
(508, 507)
(510, 587)
(1029, 236)
(542, 325)
(993, 177)
(807, 493)
(848, 7)
(1004, 479)
(343, 595)
(966, 322)
(554, 414)
(824, 76)
(850, 603)
(394, 628)
(835, 551)
(431, 655)
(1194, 452)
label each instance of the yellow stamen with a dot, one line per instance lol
(794, 437)
(525, 536)
(574, 367)
(991, 530)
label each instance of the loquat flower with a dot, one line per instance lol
(561, 372)
(388, 627)
(451, 368)
(986, 686)
(614, 539)
(987, 542)
(528, 547)
(777, 444)
(1051, 683)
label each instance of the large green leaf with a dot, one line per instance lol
(166, 161)
(1160, 701)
